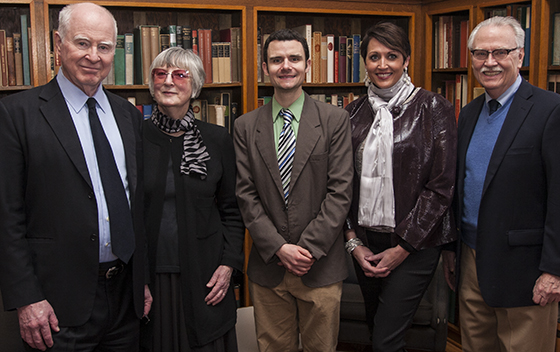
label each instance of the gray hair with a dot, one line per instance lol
(184, 59)
(499, 21)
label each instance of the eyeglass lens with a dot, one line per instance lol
(498, 54)
(177, 75)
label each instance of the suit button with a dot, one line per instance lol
(91, 195)
(93, 237)
(283, 228)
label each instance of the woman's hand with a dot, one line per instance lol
(388, 260)
(220, 283)
(363, 256)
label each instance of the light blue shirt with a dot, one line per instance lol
(76, 102)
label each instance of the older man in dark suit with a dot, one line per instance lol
(507, 201)
(72, 254)
(294, 197)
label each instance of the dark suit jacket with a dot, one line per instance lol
(320, 192)
(518, 235)
(210, 228)
(49, 244)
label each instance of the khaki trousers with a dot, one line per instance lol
(487, 329)
(291, 308)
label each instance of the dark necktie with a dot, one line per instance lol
(120, 219)
(286, 150)
(493, 105)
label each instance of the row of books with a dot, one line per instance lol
(450, 42)
(556, 39)
(456, 92)
(15, 56)
(135, 52)
(523, 14)
(334, 59)
(340, 100)
(554, 83)
(217, 109)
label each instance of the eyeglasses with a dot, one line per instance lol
(497, 54)
(178, 76)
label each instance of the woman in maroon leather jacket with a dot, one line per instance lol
(404, 141)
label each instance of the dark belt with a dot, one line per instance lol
(111, 269)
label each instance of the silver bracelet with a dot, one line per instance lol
(352, 243)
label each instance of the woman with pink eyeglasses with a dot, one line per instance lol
(194, 228)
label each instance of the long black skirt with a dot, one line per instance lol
(167, 331)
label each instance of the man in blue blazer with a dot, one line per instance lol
(59, 264)
(507, 201)
(297, 262)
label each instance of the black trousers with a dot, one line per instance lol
(391, 302)
(113, 325)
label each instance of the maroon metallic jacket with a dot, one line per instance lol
(424, 158)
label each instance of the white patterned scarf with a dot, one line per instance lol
(377, 198)
(195, 155)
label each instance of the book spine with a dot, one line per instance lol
(309, 39)
(172, 35)
(216, 63)
(11, 61)
(336, 59)
(129, 54)
(179, 36)
(259, 56)
(25, 51)
(349, 57)
(120, 74)
(330, 58)
(164, 40)
(316, 57)
(187, 37)
(194, 34)
(155, 47)
(18, 57)
(208, 54)
(556, 40)
(227, 63)
(342, 60)
(356, 58)
(3, 59)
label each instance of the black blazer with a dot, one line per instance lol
(49, 244)
(210, 227)
(518, 235)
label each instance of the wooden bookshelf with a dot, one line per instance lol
(130, 15)
(10, 13)
(343, 16)
(444, 63)
(541, 15)
(335, 22)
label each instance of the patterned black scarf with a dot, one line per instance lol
(194, 151)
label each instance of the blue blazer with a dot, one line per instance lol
(518, 234)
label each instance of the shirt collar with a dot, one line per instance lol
(296, 108)
(76, 98)
(502, 99)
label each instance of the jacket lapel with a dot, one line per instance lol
(518, 112)
(54, 109)
(264, 140)
(307, 137)
(126, 129)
